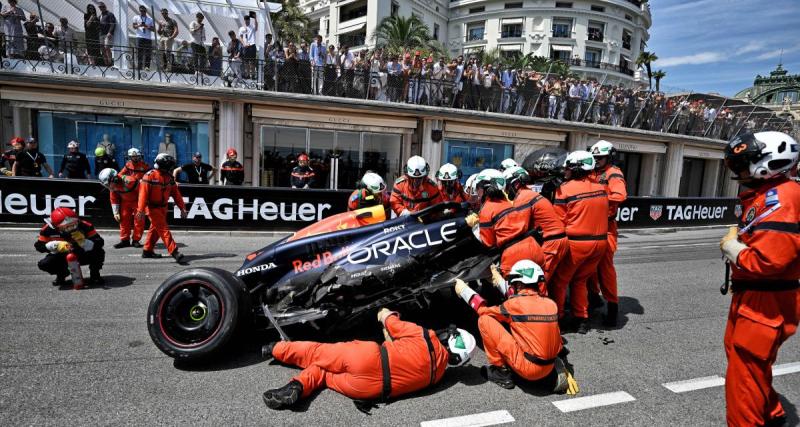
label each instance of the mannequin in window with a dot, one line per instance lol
(107, 145)
(167, 146)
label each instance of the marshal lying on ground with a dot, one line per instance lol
(330, 273)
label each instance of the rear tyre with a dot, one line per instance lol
(196, 312)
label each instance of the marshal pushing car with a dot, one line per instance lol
(329, 274)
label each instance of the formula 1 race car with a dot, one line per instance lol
(329, 274)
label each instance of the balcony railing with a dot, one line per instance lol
(563, 34)
(474, 37)
(575, 62)
(595, 35)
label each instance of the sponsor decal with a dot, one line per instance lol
(695, 212)
(751, 214)
(656, 211)
(390, 267)
(627, 214)
(255, 269)
(319, 260)
(404, 244)
(253, 209)
(737, 210)
(27, 204)
(395, 228)
(771, 197)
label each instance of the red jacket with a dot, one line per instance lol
(156, 188)
(614, 182)
(413, 199)
(773, 240)
(584, 207)
(136, 170)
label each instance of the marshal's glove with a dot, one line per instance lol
(497, 277)
(731, 246)
(472, 219)
(384, 313)
(5, 172)
(59, 247)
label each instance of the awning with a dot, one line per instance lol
(625, 57)
(512, 21)
(634, 146)
(321, 119)
(352, 28)
(702, 153)
(469, 131)
(510, 47)
(561, 48)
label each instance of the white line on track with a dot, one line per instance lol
(680, 245)
(605, 399)
(695, 384)
(786, 368)
(474, 420)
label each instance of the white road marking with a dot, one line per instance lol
(16, 255)
(786, 368)
(695, 384)
(680, 245)
(605, 399)
(474, 420)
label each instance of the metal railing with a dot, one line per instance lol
(528, 95)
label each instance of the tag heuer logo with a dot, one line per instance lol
(656, 211)
(737, 210)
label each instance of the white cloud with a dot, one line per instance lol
(698, 58)
(753, 46)
(770, 54)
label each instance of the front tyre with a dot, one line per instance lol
(195, 313)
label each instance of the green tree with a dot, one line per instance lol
(658, 75)
(399, 34)
(291, 24)
(645, 60)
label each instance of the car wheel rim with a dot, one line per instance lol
(191, 314)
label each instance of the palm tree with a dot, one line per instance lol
(291, 23)
(645, 59)
(658, 75)
(398, 34)
(489, 56)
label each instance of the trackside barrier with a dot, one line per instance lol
(29, 200)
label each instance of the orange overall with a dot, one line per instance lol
(584, 207)
(155, 189)
(534, 210)
(606, 278)
(498, 228)
(765, 307)
(356, 370)
(125, 195)
(413, 199)
(458, 195)
(136, 170)
(534, 342)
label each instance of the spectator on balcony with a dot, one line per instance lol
(32, 42)
(287, 75)
(49, 50)
(143, 27)
(234, 59)
(586, 92)
(198, 31)
(91, 33)
(332, 61)
(215, 58)
(304, 69)
(507, 83)
(458, 82)
(65, 36)
(394, 79)
(439, 75)
(348, 63)
(13, 17)
(167, 32)
(247, 35)
(376, 78)
(183, 58)
(317, 58)
(108, 25)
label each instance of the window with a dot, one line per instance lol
(395, 9)
(631, 166)
(511, 30)
(514, 5)
(598, 9)
(626, 39)
(561, 53)
(475, 31)
(353, 11)
(562, 28)
(692, 178)
(628, 17)
(593, 57)
(510, 54)
(624, 62)
(595, 31)
(477, 9)
(474, 156)
(436, 31)
(564, 5)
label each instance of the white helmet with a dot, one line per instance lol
(514, 173)
(763, 154)
(469, 186)
(73, 144)
(602, 148)
(134, 152)
(508, 163)
(490, 178)
(460, 344)
(526, 272)
(448, 172)
(579, 161)
(417, 167)
(373, 183)
(106, 175)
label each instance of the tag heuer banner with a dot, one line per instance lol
(30, 200)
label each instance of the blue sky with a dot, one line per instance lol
(720, 45)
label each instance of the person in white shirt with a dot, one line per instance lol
(317, 57)
(143, 27)
(348, 69)
(247, 35)
(198, 31)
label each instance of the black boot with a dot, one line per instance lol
(583, 326)
(178, 256)
(266, 351)
(136, 244)
(122, 244)
(60, 281)
(500, 375)
(612, 310)
(150, 254)
(283, 397)
(595, 301)
(95, 279)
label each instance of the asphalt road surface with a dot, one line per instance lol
(85, 358)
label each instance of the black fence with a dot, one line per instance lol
(30, 200)
(527, 94)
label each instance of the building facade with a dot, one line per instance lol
(780, 92)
